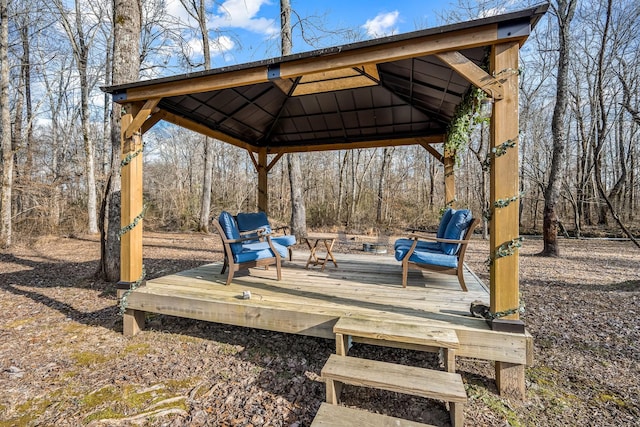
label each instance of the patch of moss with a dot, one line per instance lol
(74, 328)
(20, 421)
(541, 375)
(87, 358)
(611, 398)
(97, 398)
(187, 383)
(103, 414)
(29, 411)
(227, 349)
(495, 404)
(139, 349)
(19, 322)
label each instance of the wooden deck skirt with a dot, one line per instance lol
(310, 302)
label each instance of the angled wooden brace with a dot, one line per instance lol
(472, 73)
(141, 117)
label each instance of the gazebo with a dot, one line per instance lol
(398, 90)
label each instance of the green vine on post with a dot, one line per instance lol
(505, 249)
(503, 203)
(135, 221)
(124, 301)
(498, 151)
(464, 117)
(509, 312)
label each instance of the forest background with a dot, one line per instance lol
(56, 157)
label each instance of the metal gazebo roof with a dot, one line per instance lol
(396, 90)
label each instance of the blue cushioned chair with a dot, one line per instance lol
(445, 252)
(253, 250)
(249, 222)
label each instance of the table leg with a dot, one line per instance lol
(328, 244)
(312, 253)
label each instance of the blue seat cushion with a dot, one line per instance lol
(460, 221)
(434, 246)
(230, 229)
(444, 221)
(256, 251)
(286, 240)
(427, 257)
(248, 221)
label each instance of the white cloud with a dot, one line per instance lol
(242, 14)
(221, 45)
(382, 25)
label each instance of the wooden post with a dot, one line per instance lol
(449, 177)
(263, 184)
(504, 273)
(131, 201)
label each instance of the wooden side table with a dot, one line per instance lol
(328, 241)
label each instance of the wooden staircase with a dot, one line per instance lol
(341, 369)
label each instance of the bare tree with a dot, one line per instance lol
(196, 9)
(81, 39)
(5, 123)
(564, 11)
(126, 66)
(298, 208)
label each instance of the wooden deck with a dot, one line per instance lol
(310, 302)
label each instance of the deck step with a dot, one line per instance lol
(397, 332)
(410, 380)
(412, 336)
(338, 416)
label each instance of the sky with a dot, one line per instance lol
(247, 30)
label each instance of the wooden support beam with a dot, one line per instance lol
(435, 153)
(472, 73)
(263, 185)
(204, 130)
(273, 161)
(449, 177)
(402, 49)
(504, 227)
(153, 119)
(253, 160)
(131, 199)
(141, 117)
(356, 145)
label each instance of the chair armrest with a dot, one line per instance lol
(433, 239)
(418, 230)
(438, 239)
(417, 236)
(240, 240)
(285, 229)
(259, 231)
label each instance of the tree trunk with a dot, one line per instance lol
(207, 183)
(126, 65)
(564, 12)
(207, 178)
(5, 138)
(298, 209)
(386, 155)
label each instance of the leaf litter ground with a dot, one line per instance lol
(65, 362)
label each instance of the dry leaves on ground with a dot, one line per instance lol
(64, 361)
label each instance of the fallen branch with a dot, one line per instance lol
(139, 418)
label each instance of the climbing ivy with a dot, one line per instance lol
(464, 118)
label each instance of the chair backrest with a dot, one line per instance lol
(230, 229)
(456, 228)
(444, 221)
(252, 221)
